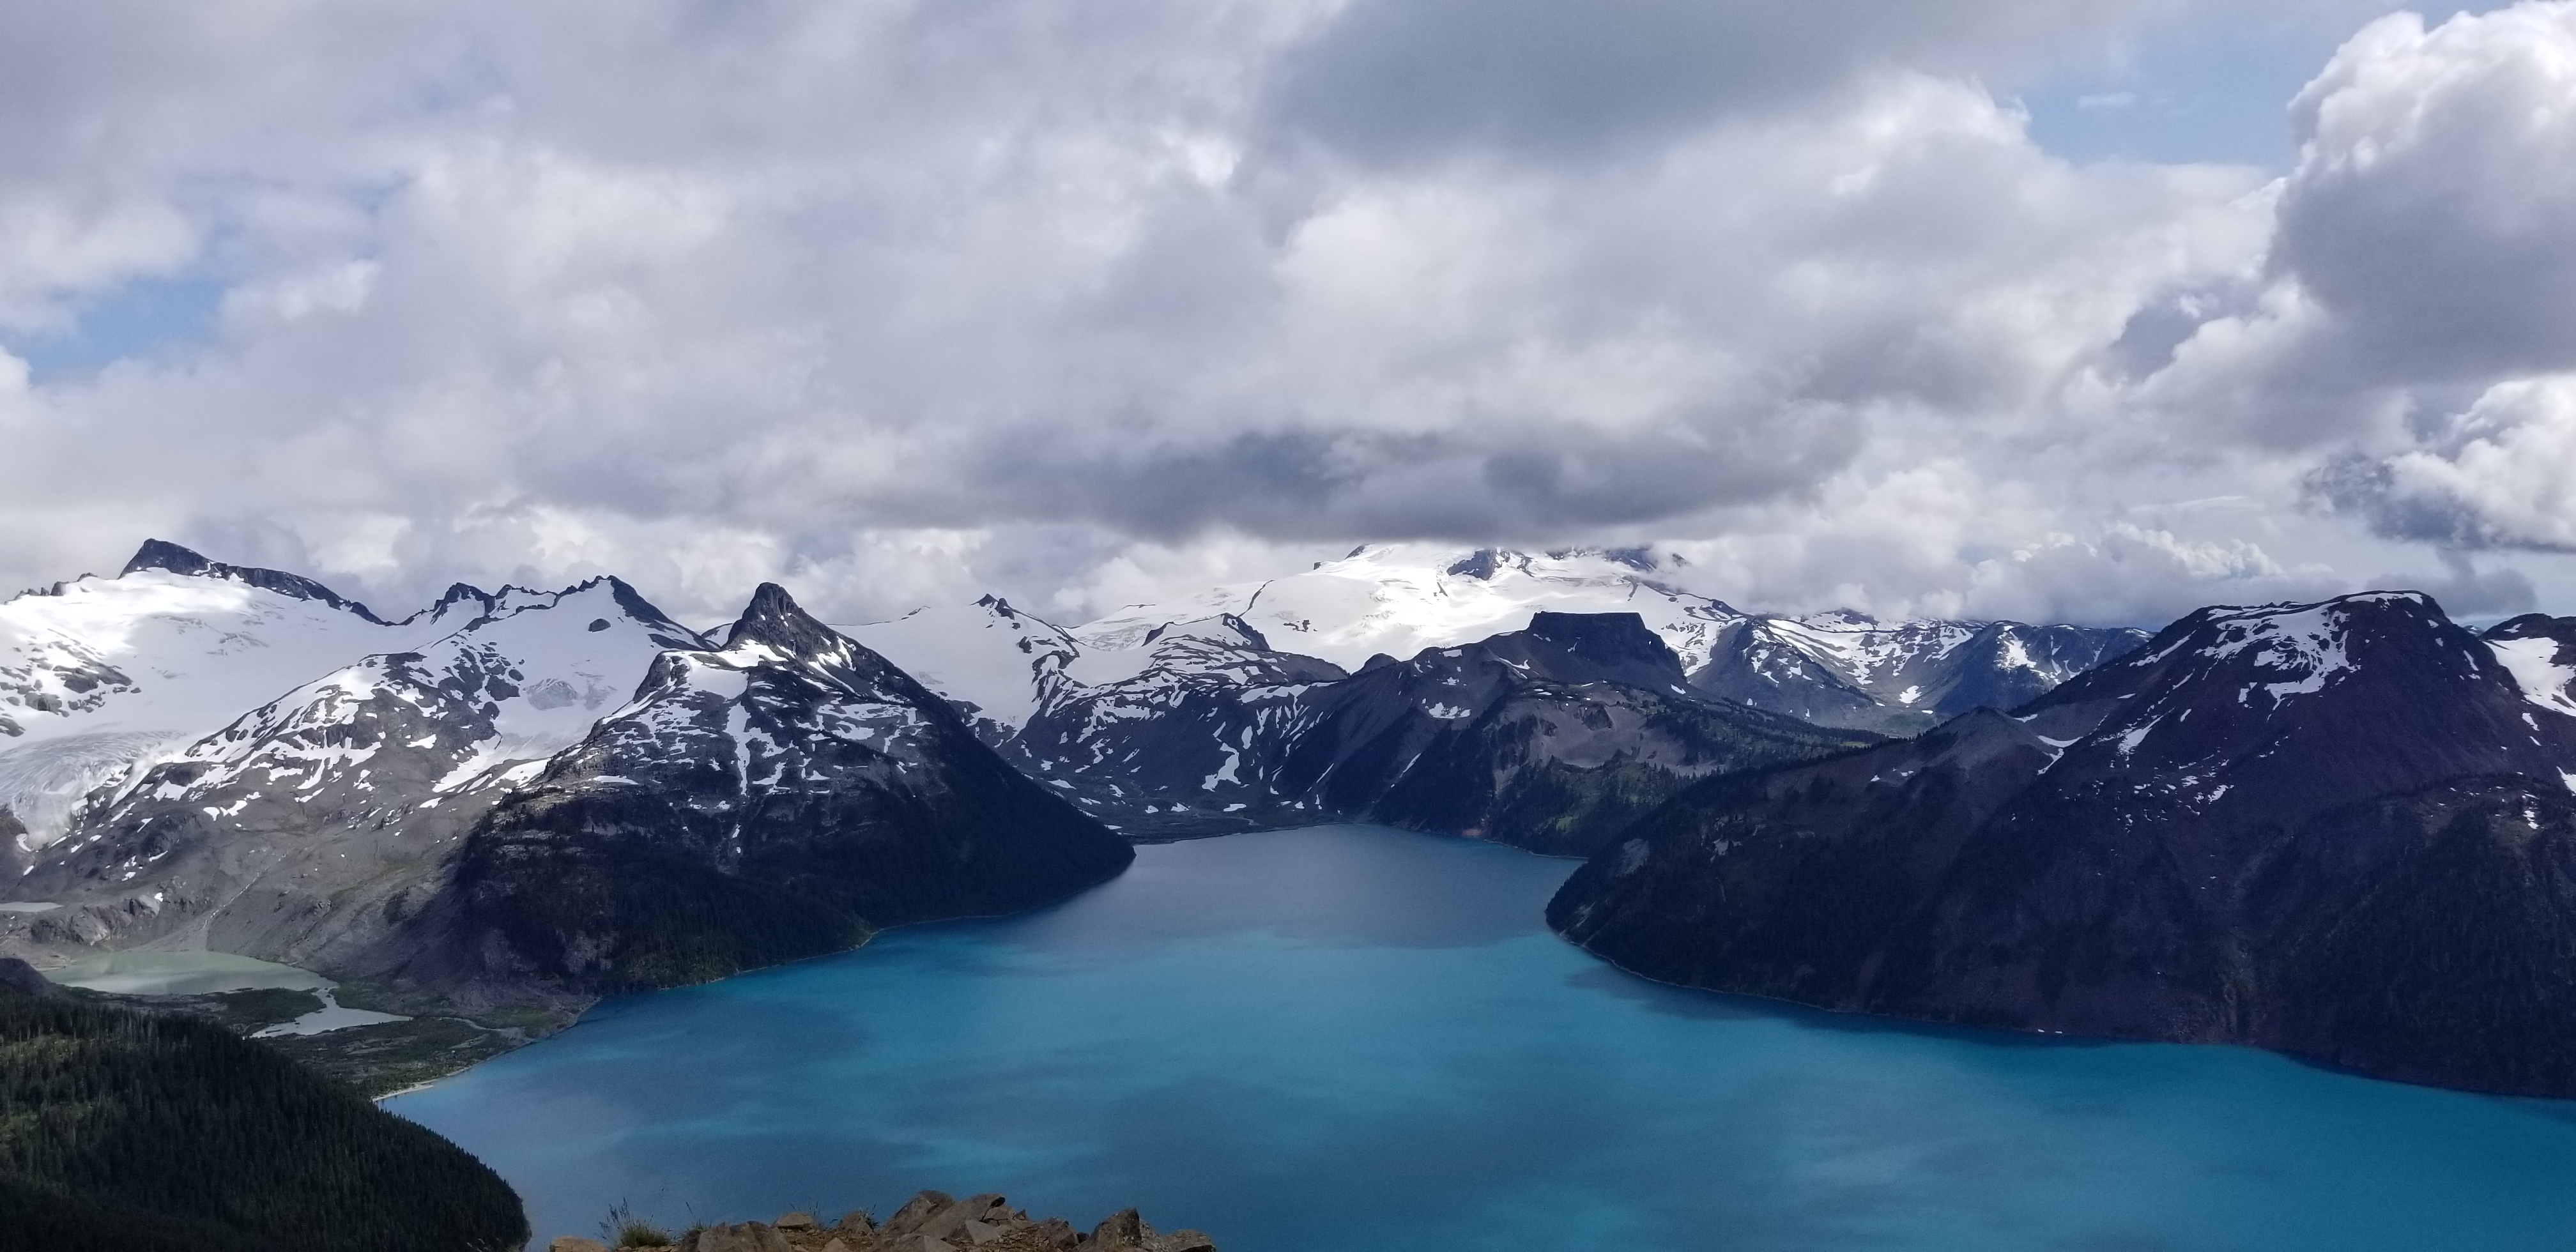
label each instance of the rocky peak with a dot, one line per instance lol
(774, 618)
(160, 554)
(1599, 647)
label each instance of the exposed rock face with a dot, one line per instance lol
(1549, 738)
(2341, 829)
(768, 800)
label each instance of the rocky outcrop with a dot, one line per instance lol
(2341, 829)
(930, 1222)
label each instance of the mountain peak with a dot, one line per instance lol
(163, 555)
(774, 618)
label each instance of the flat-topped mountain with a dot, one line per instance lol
(2341, 829)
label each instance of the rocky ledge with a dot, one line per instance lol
(929, 1222)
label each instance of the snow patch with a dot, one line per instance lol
(2535, 669)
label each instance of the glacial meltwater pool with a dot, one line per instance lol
(1347, 1039)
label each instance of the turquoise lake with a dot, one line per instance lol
(1348, 1039)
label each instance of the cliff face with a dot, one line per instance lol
(2341, 829)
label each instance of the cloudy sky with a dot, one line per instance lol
(2089, 310)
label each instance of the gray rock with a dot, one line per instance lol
(1185, 1241)
(575, 1243)
(856, 1222)
(1058, 1233)
(798, 1221)
(951, 1222)
(1122, 1229)
(747, 1237)
(920, 1208)
(917, 1243)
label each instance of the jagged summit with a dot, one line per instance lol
(161, 554)
(774, 618)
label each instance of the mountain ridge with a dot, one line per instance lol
(2203, 842)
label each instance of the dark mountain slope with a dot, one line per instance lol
(166, 1134)
(769, 800)
(2220, 837)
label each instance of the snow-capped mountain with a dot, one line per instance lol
(990, 660)
(99, 675)
(2343, 829)
(282, 834)
(766, 800)
(343, 817)
(1549, 738)
(1392, 601)
(1849, 669)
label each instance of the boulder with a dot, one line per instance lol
(920, 1208)
(856, 1222)
(1122, 1229)
(575, 1243)
(1055, 1232)
(950, 1223)
(797, 1221)
(1185, 1241)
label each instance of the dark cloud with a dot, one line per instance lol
(1416, 79)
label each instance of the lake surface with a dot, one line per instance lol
(1347, 1039)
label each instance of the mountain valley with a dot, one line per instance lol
(511, 803)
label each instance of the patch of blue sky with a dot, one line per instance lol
(2197, 92)
(140, 320)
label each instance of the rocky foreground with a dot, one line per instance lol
(929, 1222)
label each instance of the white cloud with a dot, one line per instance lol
(2502, 475)
(898, 301)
